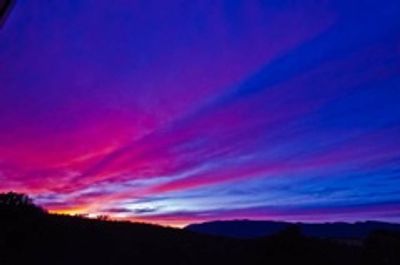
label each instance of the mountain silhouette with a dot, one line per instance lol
(30, 235)
(254, 229)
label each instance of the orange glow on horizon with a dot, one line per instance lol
(83, 212)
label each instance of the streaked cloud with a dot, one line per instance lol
(175, 113)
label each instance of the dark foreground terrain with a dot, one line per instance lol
(252, 229)
(28, 235)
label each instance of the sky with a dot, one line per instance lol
(176, 112)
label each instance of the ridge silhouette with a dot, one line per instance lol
(253, 229)
(29, 235)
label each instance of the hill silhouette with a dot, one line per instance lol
(29, 235)
(253, 229)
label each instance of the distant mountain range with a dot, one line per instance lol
(30, 235)
(254, 229)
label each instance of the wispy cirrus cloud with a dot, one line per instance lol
(180, 113)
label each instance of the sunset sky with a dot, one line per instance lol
(175, 112)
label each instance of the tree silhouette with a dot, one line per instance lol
(18, 202)
(14, 199)
(27, 237)
(103, 217)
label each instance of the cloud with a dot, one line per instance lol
(196, 113)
